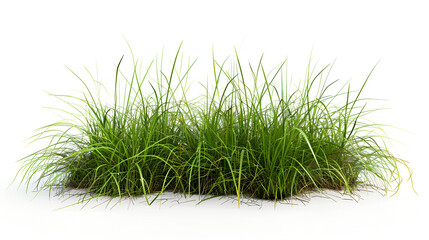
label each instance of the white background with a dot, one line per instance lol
(37, 38)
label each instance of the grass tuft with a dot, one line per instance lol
(251, 134)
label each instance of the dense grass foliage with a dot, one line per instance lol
(252, 133)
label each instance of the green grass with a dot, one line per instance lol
(251, 134)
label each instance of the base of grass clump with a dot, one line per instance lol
(250, 134)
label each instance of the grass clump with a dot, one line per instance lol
(250, 134)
